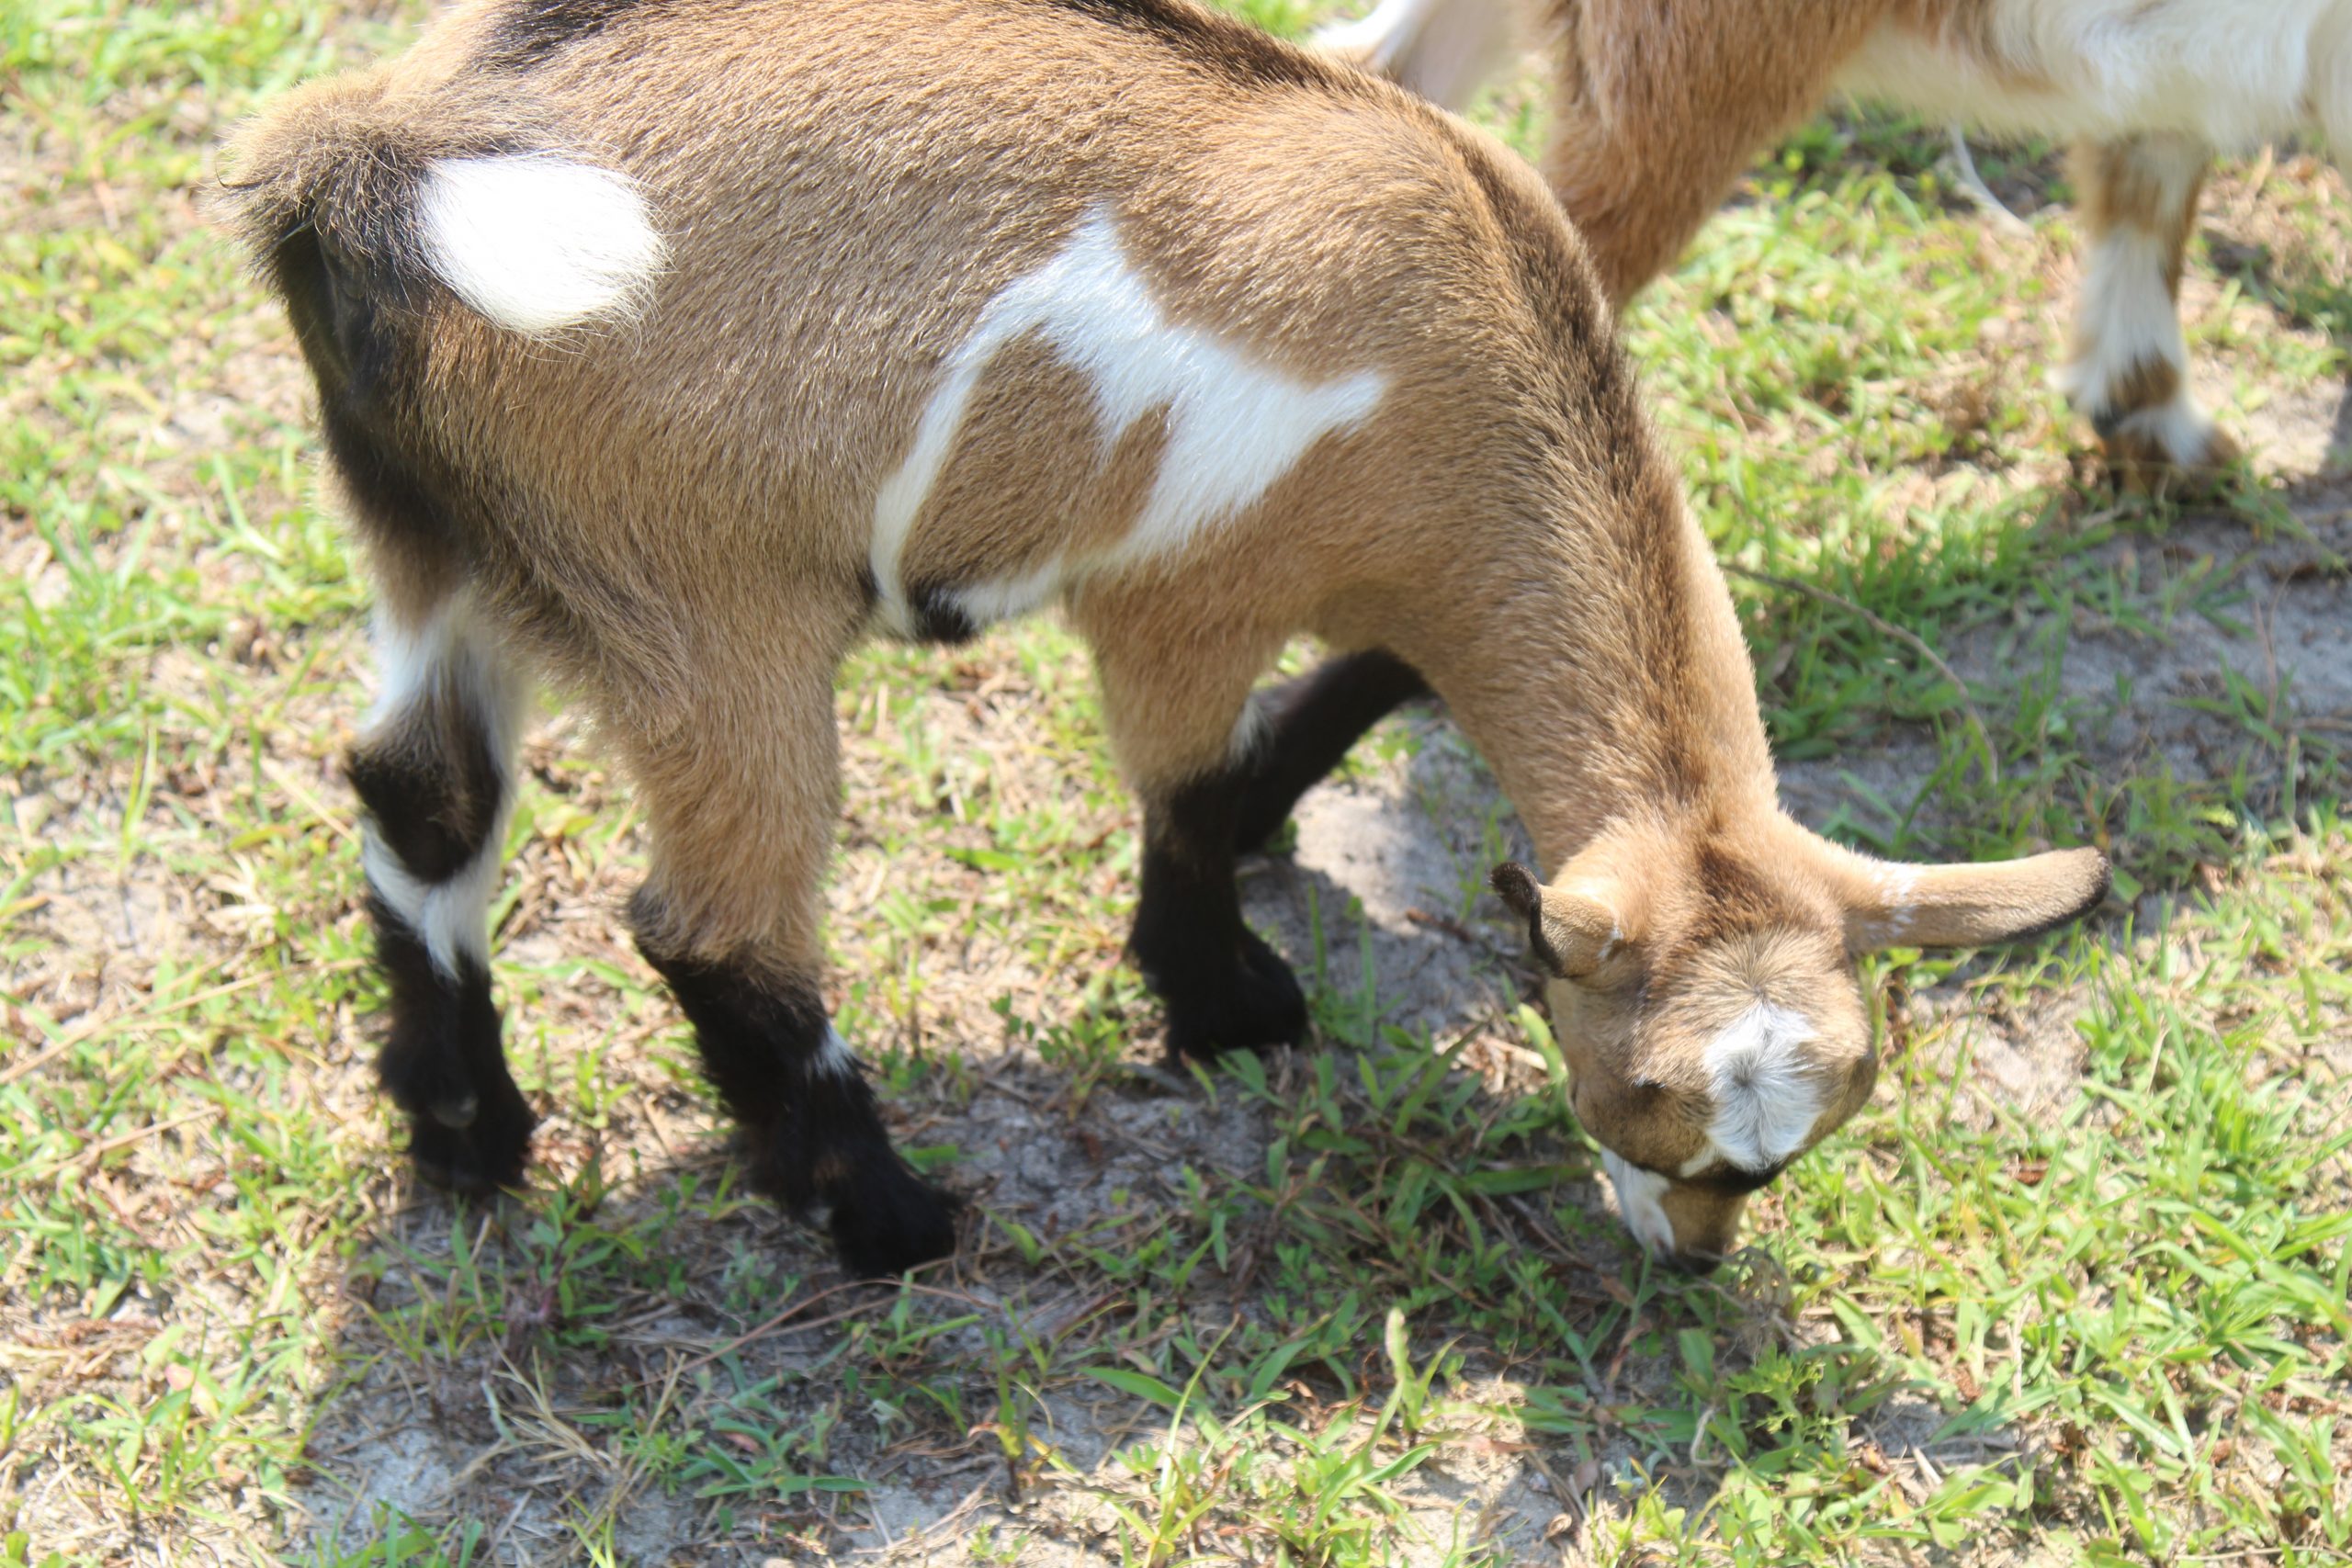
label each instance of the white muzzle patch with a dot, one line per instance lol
(1766, 1102)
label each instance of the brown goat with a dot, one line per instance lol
(668, 350)
(1662, 103)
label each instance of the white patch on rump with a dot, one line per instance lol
(536, 242)
(1235, 425)
(1766, 1102)
(1638, 1195)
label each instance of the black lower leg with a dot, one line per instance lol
(432, 790)
(470, 1128)
(816, 1142)
(1225, 989)
(1311, 722)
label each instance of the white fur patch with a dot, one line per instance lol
(2236, 73)
(1898, 890)
(536, 242)
(1233, 425)
(1638, 1195)
(2331, 80)
(834, 1057)
(451, 650)
(2127, 318)
(1251, 729)
(451, 917)
(1765, 1101)
(2180, 428)
(1008, 598)
(1444, 49)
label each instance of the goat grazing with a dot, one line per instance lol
(665, 350)
(1662, 103)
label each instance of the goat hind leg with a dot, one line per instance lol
(2129, 371)
(435, 771)
(1444, 49)
(742, 800)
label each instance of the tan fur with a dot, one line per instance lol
(1687, 924)
(671, 513)
(996, 512)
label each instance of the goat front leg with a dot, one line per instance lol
(434, 768)
(740, 795)
(1181, 724)
(2130, 372)
(1306, 727)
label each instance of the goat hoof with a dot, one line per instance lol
(1256, 1006)
(481, 1155)
(2191, 467)
(458, 1113)
(887, 1220)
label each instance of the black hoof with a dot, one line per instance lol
(484, 1154)
(889, 1219)
(1255, 1006)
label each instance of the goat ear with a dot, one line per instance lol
(1892, 905)
(1572, 931)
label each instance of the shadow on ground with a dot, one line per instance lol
(524, 1366)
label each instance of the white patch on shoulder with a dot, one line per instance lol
(1234, 424)
(538, 243)
(1765, 1101)
(1444, 49)
(1638, 1195)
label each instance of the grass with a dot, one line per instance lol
(2073, 1289)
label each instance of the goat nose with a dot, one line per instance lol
(1692, 1263)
